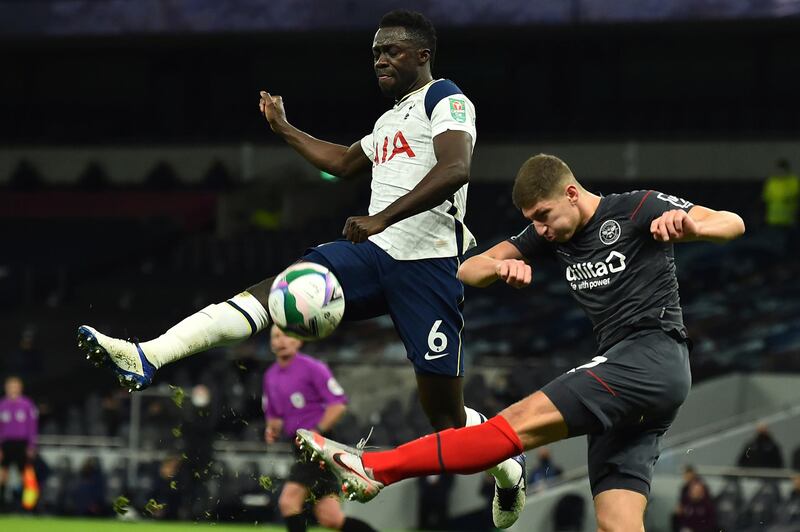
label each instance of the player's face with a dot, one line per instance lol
(283, 345)
(555, 220)
(397, 61)
(13, 388)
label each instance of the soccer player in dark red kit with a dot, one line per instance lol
(617, 255)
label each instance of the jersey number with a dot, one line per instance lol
(437, 341)
(595, 361)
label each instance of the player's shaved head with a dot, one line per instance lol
(541, 177)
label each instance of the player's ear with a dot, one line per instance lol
(424, 55)
(572, 193)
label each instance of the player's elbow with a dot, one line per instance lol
(458, 174)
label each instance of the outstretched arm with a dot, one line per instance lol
(341, 161)
(453, 151)
(700, 223)
(502, 261)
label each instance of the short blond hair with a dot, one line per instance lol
(540, 178)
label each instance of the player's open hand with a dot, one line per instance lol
(271, 435)
(514, 272)
(272, 109)
(673, 226)
(359, 228)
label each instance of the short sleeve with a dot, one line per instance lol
(268, 403)
(650, 204)
(528, 243)
(368, 146)
(449, 109)
(329, 389)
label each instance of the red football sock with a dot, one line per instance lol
(464, 451)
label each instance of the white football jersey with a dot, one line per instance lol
(401, 149)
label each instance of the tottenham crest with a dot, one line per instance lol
(609, 232)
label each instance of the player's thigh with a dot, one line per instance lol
(620, 510)
(292, 498)
(442, 400)
(644, 377)
(425, 300)
(359, 269)
(328, 511)
(624, 458)
(536, 420)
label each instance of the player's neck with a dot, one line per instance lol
(417, 85)
(587, 205)
(287, 360)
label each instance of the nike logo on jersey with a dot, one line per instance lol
(429, 356)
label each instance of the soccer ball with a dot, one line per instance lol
(306, 301)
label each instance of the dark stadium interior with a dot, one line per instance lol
(145, 254)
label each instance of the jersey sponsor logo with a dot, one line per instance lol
(20, 416)
(399, 146)
(298, 400)
(334, 387)
(609, 232)
(674, 200)
(590, 275)
(458, 110)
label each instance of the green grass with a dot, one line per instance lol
(64, 524)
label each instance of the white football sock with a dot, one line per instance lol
(216, 325)
(507, 473)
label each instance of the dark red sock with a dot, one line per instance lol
(464, 451)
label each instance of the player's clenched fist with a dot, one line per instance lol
(514, 272)
(358, 228)
(673, 226)
(272, 109)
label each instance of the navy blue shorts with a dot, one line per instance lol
(423, 297)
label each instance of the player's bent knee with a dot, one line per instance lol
(291, 500)
(329, 514)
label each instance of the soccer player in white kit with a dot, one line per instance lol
(401, 259)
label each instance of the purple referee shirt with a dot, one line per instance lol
(19, 420)
(299, 393)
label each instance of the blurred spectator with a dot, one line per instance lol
(569, 513)
(698, 514)
(781, 195)
(434, 502)
(200, 418)
(25, 176)
(545, 471)
(761, 451)
(166, 491)
(18, 432)
(690, 476)
(89, 495)
(796, 459)
(26, 361)
(94, 177)
(789, 513)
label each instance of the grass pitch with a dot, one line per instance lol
(64, 524)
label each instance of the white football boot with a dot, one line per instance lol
(126, 359)
(509, 502)
(343, 461)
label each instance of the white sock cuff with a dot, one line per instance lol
(473, 417)
(255, 313)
